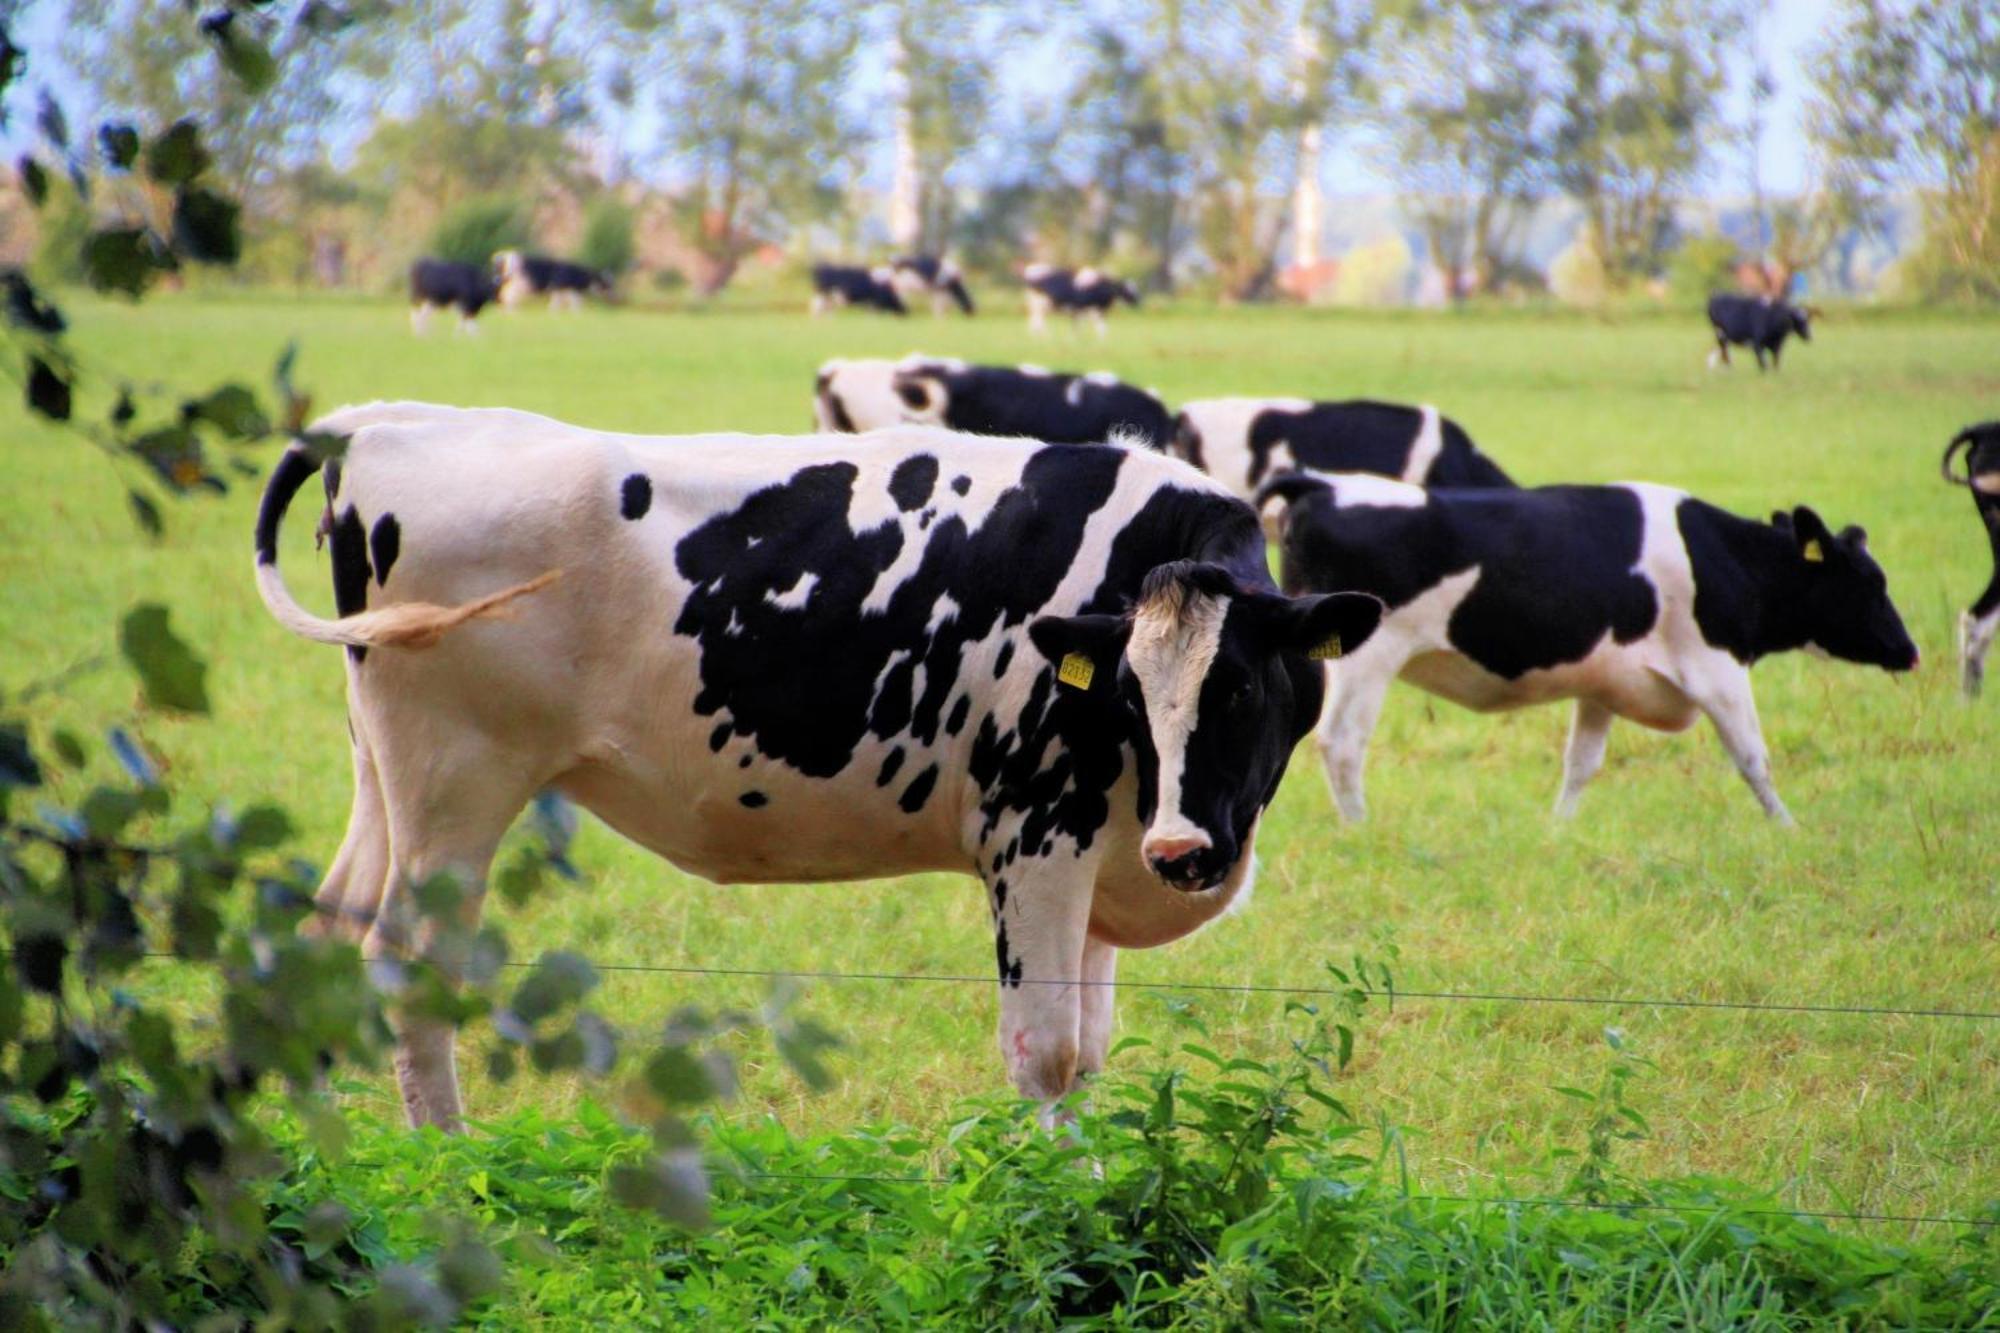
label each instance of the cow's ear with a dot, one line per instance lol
(1084, 649)
(1329, 625)
(1781, 520)
(1810, 532)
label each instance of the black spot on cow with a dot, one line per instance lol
(754, 799)
(385, 541)
(961, 483)
(1003, 659)
(924, 519)
(635, 496)
(999, 891)
(956, 722)
(719, 738)
(744, 762)
(348, 546)
(919, 790)
(892, 763)
(1359, 436)
(913, 481)
(1010, 967)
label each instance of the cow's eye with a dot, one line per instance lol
(1243, 698)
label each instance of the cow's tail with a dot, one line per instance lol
(404, 625)
(1962, 440)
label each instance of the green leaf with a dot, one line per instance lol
(679, 1078)
(123, 259)
(174, 454)
(27, 310)
(120, 145)
(241, 53)
(107, 810)
(263, 827)
(176, 156)
(206, 226)
(170, 675)
(146, 513)
(68, 747)
(559, 979)
(34, 180)
(231, 409)
(17, 761)
(48, 390)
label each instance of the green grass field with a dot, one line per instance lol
(1669, 885)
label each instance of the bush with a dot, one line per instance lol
(1577, 276)
(1703, 265)
(476, 230)
(607, 235)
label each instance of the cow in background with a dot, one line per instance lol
(1761, 323)
(838, 285)
(1634, 600)
(928, 275)
(440, 283)
(1978, 625)
(1021, 401)
(564, 283)
(1242, 441)
(1073, 292)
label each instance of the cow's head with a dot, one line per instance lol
(1125, 291)
(1801, 322)
(1214, 683)
(508, 265)
(850, 396)
(1843, 608)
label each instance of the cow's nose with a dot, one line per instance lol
(1164, 849)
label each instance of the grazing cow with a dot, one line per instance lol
(1064, 670)
(836, 285)
(1635, 600)
(1241, 441)
(437, 283)
(564, 283)
(927, 275)
(1041, 405)
(1979, 624)
(1073, 292)
(1760, 323)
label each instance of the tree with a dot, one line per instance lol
(750, 103)
(1467, 129)
(1907, 95)
(943, 57)
(1641, 93)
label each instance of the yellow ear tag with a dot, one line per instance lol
(1076, 671)
(1812, 552)
(1327, 651)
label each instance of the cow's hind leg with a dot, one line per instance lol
(352, 891)
(1979, 625)
(449, 799)
(1353, 705)
(1589, 728)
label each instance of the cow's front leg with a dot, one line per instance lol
(1354, 697)
(1733, 711)
(1041, 913)
(1588, 731)
(1100, 976)
(1977, 628)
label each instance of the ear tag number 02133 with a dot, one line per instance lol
(1076, 671)
(1327, 651)
(1812, 552)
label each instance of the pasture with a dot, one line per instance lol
(1669, 885)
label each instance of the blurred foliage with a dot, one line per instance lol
(607, 243)
(1701, 265)
(476, 230)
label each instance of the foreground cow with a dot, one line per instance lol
(1757, 322)
(837, 285)
(1062, 669)
(927, 275)
(1073, 292)
(1634, 600)
(440, 283)
(1026, 401)
(1242, 441)
(564, 284)
(1979, 624)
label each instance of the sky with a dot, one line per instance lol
(1788, 28)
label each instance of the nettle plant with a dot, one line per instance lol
(138, 1173)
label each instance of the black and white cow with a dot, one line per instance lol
(928, 275)
(1073, 292)
(440, 283)
(1242, 441)
(564, 283)
(1757, 322)
(1049, 406)
(1635, 600)
(837, 285)
(1064, 670)
(1978, 626)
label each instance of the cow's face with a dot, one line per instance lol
(1802, 324)
(508, 265)
(1845, 604)
(1126, 292)
(1215, 684)
(851, 396)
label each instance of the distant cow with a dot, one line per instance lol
(565, 284)
(1760, 323)
(1064, 670)
(1241, 441)
(1024, 401)
(928, 275)
(1978, 625)
(1073, 292)
(439, 283)
(1635, 600)
(837, 285)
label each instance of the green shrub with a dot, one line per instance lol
(607, 235)
(1703, 265)
(476, 230)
